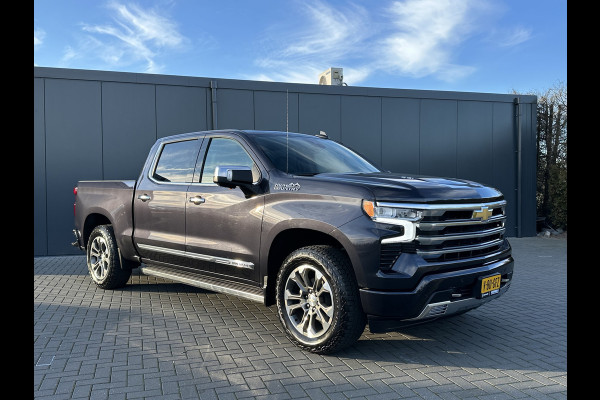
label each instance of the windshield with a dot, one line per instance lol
(301, 154)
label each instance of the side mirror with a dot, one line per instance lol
(232, 175)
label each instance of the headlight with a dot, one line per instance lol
(397, 213)
(405, 217)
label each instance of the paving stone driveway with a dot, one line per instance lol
(161, 340)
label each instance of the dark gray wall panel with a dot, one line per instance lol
(270, 111)
(319, 112)
(73, 152)
(438, 138)
(400, 135)
(505, 161)
(475, 141)
(361, 125)
(528, 168)
(39, 167)
(180, 109)
(235, 109)
(129, 128)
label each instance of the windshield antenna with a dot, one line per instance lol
(287, 136)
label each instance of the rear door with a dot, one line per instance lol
(160, 201)
(223, 225)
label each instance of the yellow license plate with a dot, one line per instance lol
(490, 285)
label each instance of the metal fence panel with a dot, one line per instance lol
(400, 136)
(180, 109)
(438, 138)
(39, 168)
(235, 109)
(504, 160)
(320, 112)
(474, 141)
(73, 152)
(276, 111)
(361, 125)
(129, 128)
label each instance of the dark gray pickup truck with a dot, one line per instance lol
(302, 222)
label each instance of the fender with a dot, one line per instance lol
(114, 204)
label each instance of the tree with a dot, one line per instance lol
(551, 193)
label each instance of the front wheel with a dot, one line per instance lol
(318, 300)
(103, 261)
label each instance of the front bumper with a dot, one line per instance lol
(437, 295)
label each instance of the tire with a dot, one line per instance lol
(318, 300)
(103, 259)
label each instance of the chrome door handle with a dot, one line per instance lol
(144, 197)
(197, 200)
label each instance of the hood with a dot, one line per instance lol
(421, 189)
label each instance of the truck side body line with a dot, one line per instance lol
(218, 260)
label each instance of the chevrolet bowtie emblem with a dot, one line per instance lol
(484, 213)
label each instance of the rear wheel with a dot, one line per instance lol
(103, 261)
(318, 300)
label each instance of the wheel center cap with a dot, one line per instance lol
(312, 300)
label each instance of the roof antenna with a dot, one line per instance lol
(287, 135)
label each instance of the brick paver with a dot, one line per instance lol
(156, 339)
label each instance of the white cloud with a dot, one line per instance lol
(38, 38)
(513, 37)
(424, 37)
(136, 35)
(333, 31)
(69, 54)
(329, 35)
(414, 38)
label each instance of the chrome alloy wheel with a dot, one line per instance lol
(308, 301)
(99, 258)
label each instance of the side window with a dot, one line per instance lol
(176, 162)
(223, 151)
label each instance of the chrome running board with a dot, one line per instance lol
(244, 291)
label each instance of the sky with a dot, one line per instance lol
(490, 46)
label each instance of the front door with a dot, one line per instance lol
(223, 225)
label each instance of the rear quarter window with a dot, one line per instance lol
(176, 162)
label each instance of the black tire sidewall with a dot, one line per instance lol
(116, 275)
(348, 320)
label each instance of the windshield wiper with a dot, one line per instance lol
(308, 174)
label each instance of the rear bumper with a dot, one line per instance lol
(437, 295)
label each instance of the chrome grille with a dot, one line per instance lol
(449, 232)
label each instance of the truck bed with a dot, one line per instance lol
(110, 199)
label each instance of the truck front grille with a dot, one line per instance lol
(452, 232)
(460, 231)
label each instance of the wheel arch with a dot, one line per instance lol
(92, 221)
(284, 243)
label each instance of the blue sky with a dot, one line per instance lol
(463, 45)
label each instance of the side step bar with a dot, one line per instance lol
(248, 292)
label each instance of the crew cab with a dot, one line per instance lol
(303, 223)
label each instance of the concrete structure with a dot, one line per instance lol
(100, 125)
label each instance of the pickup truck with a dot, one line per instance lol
(301, 222)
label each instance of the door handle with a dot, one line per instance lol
(144, 197)
(197, 200)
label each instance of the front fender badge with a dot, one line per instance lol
(287, 187)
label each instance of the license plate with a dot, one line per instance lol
(490, 285)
